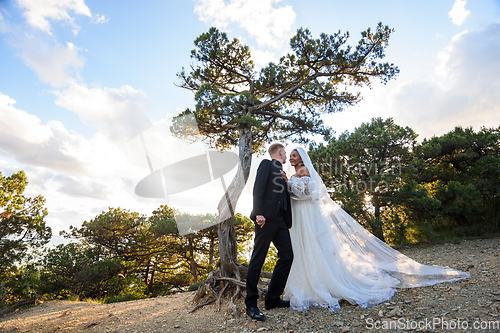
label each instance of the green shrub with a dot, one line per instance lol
(195, 286)
(123, 298)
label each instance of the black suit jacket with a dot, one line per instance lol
(268, 193)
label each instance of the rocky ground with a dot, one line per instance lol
(472, 305)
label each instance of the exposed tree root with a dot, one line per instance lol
(208, 301)
(221, 294)
(231, 302)
(240, 283)
(14, 306)
(216, 285)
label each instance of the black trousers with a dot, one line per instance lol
(274, 231)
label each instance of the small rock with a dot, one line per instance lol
(395, 312)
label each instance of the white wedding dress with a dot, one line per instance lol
(335, 258)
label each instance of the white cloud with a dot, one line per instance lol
(79, 177)
(83, 187)
(39, 11)
(458, 13)
(54, 63)
(19, 124)
(443, 68)
(99, 19)
(262, 58)
(68, 163)
(71, 198)
(82, 177)
(119, 113)
(469, 97)
(24, 137)
(270, 25)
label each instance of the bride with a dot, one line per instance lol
(335, 258)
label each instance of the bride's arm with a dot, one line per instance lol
(299, 188)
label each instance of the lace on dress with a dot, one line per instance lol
(299, 188)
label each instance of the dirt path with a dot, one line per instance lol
(466, 306)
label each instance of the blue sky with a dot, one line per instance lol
(78, 79)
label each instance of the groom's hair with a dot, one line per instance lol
(274, 148)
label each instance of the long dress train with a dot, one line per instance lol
(335, 258)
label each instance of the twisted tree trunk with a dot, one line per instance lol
(227, 236)
(377, 223)
(228, 273)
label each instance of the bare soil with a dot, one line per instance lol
(471, 305)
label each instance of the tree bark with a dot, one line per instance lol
(227, 235)
(192, 262)
(152, 279)
(245, 152)
(146, 275)
(211, 252)
(227, 247)
(377, 224)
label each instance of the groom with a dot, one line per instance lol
(272, 215)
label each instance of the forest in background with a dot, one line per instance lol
(442, 189)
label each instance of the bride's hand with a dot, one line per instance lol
(283, 174)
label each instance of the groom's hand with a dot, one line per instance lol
(261, 220)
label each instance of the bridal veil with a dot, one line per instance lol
(335, 258)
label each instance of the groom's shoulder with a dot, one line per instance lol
(265, 164)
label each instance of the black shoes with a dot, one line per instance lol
(277, 304)
(255, 313)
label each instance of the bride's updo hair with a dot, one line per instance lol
(274, 148)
